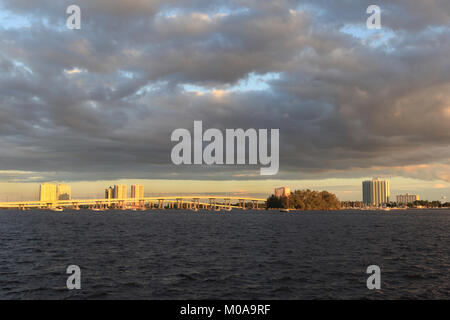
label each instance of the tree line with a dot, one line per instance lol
(428, 204)
(305, 200)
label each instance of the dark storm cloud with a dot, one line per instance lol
(101, 102)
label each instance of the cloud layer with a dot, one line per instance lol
(101, 102)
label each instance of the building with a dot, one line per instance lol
(407, 198)
(137, 191)
(282, 192)
(109, 193)
(63, 192)
(376, 192)
(120, 191)
(48, 192)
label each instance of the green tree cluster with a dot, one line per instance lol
(428, 204)
(305, 200)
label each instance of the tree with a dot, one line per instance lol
(274, 202)
(306, 200)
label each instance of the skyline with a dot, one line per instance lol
(99, 104)
(349, 192)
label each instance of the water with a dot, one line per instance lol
(251, 255)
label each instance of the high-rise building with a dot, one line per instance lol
(48, 192)
(109, 193)
(63, 192)
(282, 192)
(376, 192)
(407, 198)
(137, 191)
(120, 191)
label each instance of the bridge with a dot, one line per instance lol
(185, 202)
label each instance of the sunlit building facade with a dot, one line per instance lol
(407, 198)
(282, 192)
(376, 192)
(120, 191)
(137, 191)
(63, 192)
(109, 193)
(48, 192)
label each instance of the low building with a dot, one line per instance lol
(282, 192)
(407, 198)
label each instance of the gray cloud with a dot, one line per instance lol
(101, 102)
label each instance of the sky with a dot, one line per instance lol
(97, 106)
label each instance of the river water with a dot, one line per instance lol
(224, 255)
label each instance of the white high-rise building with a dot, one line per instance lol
(137, 191)
(48, 193)
(63, 192)
(120, 191)
(376, 192)
(109, 193)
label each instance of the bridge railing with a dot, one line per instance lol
(169, 201)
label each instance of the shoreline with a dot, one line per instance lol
(221, 210)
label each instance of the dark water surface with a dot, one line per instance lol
(251, 255)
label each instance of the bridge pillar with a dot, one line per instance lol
(228, 202)
(180, 205)
(196, 202)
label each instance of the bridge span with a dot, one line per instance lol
(146, 203)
